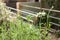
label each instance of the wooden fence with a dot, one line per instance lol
(18, 6)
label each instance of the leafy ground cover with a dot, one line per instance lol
(12, 27)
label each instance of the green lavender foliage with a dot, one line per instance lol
(20, 32)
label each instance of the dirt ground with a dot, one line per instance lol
(53, 36)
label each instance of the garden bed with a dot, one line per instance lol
(12, 27)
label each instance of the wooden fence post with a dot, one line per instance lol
(19, 7)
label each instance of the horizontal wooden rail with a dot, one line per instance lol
(29, 11)
(21, 11)
(41, 8)
(26, 19)
(55, 24)
(54, 17)
(22, 17)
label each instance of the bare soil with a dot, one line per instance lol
(53, 36)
